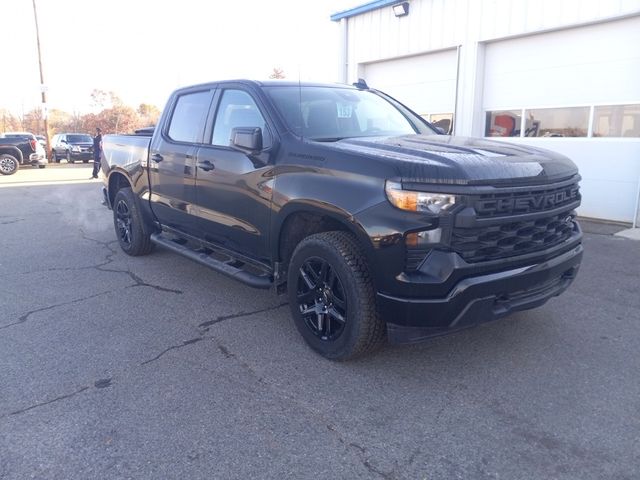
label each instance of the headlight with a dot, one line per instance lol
(418, 201)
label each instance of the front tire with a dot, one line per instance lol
(8, 164)
(332, 298)
(134, 235)
(41, 166)
(69, 159)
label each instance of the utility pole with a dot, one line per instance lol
(45, 112)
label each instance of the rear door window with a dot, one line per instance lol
(189, 116)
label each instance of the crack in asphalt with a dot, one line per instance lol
(205, 325)
(173, 347)
(101, 383)
(26, 316)
(139, 282)
(9, 222)
(203, 332)
(37, 405)
(142, 283)
(361, 452)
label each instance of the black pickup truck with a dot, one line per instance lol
(19, 148)
(373, 223)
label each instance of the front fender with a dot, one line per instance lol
(316, 191)
(312, 206)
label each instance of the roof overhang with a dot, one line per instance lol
(367, 7)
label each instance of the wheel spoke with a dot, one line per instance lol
(313, 274)
(327, 326)
(339, 302)
(320, 322)
(324, 271)
(306, 278)
(309, 309)
(333, 313)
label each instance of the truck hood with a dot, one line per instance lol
(461, 160)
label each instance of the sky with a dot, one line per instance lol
(142, 49)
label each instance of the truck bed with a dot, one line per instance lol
(126, 150)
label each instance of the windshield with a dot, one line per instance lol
(334, 113)
(79, 139)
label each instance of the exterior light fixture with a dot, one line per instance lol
(401, 9)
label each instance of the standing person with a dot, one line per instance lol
(97, 152)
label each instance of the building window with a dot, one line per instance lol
(504, 123)
(443, 121)
(616, 121)
(557, 122)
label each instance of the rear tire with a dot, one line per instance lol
(8, 164)
(332, 297)
(134, 235)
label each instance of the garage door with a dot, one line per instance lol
(425, 83)
(590, 65)
(575, 91)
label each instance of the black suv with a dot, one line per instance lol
(72, 146)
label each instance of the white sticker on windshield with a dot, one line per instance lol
(344, 110)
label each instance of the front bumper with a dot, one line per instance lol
(81, 155)
(479, 299)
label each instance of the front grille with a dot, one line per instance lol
(511, 239)
(491, 205)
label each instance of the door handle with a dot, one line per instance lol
(156, 157)
(205, 165)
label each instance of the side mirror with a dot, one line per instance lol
(63, 141)
(247, 139)
(441, 130)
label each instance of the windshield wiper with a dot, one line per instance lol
(328, 139)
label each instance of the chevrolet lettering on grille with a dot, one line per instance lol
(527, 203)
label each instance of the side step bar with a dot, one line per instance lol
(251, 279)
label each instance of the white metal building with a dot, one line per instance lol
(559, 74)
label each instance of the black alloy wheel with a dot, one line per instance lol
(123, 223)
(332, 297)
(134, 234)
(321, 299)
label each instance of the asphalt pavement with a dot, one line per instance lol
(115, 367)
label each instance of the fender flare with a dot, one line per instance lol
(13, 151)
(318, 208)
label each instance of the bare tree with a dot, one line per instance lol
(277, 74)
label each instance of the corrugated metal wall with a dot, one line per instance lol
(439, 24)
